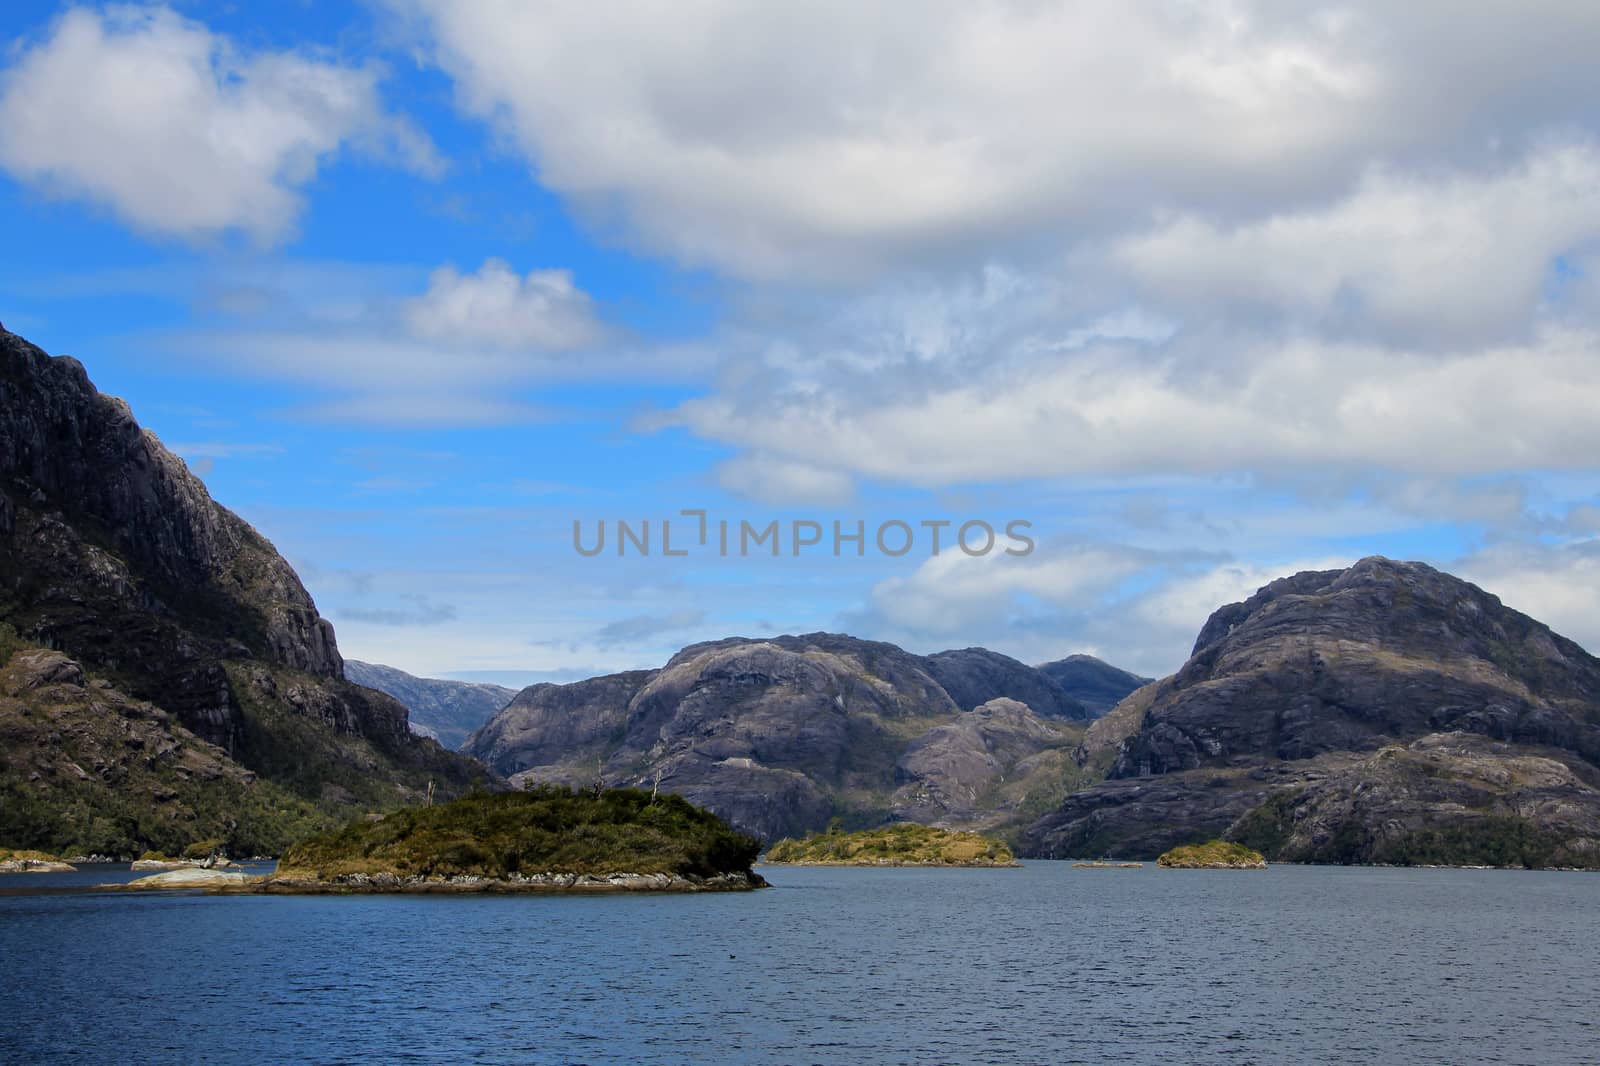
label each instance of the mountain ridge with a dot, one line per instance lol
(783, 734)
(113, 553)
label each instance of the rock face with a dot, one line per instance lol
(1096, 684)
(447, 711)
(112, 552)
(1287, 697)
(951, 770)
(1352, 659)
(779, 736)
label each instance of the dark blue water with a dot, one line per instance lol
(1047, 964)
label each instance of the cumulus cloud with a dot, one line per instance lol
(835, 138)
(1455, 258)
(179, 131)
(383, 346)
(1264, 404)
(495, 306)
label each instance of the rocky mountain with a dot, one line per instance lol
(447, 711)
(1094, 683)
(114, 554)
(1387, 712)
(976, 675)
(782, 735)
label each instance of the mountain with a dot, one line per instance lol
(447, 711)
(782, 735)
(1094, 683)
(976, 675)
(1387, 712)
(115, 555)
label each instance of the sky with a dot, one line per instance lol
(1203, 294)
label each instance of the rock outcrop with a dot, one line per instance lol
(1353, 715)
(781, 735)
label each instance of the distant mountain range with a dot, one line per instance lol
(785, 734)
(182, 643)
(447, 711)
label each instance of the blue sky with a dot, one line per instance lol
(1205, 296)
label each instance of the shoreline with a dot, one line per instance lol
(228, 884)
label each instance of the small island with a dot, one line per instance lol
(543, 840)
(901, 844)
(1212, 855)
(32, 862)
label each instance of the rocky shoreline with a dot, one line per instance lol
(225, 883)
(1013, 864)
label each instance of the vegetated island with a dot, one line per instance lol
(901, 844)
(1212, 855)
(545, 840)
(31, 862)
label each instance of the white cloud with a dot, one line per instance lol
(833, 138)
(1458, 258)
(384, 346)
(784, 482)
(544, 310)
(1193, 406)
(179, 131)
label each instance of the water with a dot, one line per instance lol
(1047, 964)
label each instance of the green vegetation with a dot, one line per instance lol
(16, 855)
(341, 775)
(85, 770)
(204, 849)
(92, 818)
(1267, 828)
(1489, 840)
(547, 830)
(902, 844)
(1212, 855)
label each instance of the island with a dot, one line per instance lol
(548, 839)
(1212, 855)
(901, 844)
(32, 862)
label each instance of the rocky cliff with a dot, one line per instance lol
(447, 711)
(1351, 715)
(112, 552)
(780, 736)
